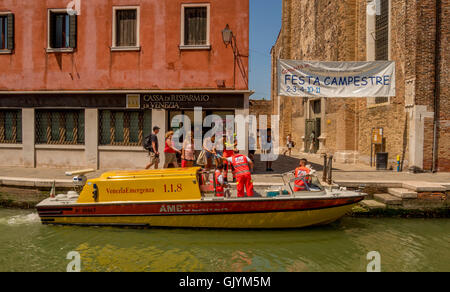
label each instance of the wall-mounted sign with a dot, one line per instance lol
(336, 79)
(133, 101)
(173, 101)
(176, 101)
(377, 136)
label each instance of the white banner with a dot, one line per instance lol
(336, 79)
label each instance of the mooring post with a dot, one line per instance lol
(324, 177)
(330, 170)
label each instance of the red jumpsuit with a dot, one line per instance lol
(243, 175)
(299, 185)
(220, 191)
(227, 165)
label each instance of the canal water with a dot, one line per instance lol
(403, 245)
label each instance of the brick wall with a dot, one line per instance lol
(261, 107)
(315, 30)
(444, 96)
(336, 30)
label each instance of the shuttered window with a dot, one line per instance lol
(3, 33)
(63, 30)
(7, 31)
(126, 28)
(195, 26)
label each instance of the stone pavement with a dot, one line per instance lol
(342, 173)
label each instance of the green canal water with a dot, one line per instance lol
(403, 244)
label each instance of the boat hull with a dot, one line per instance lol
(231, 214)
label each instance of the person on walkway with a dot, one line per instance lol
(312, 141)
(219, 181)
(267, 148)
(188, 151)
(289, 145)
(243, 167)
(219, 148)
(170, 152)
(251, 146)
(301, 172)
(209, 147)
(228, 152)
(153, 152)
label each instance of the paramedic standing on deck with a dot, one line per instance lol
(242, 166)
(219, 181)
(227, 153)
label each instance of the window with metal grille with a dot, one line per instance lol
(382, 38)
(126, 28)
(62, 32)
(10, 126)
(60, 127)
(195, 26)
(124, 128)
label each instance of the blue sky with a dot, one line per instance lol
(265, 24)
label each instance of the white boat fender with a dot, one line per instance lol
(72, 195)
(61, 197)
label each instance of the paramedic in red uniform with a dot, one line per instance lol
(227, 153)
(219, 181)
(301, 172)
(242, 166)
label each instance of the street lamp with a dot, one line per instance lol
(230, 39)
(227, 35)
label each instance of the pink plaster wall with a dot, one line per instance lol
(159, 65)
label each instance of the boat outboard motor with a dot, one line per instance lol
(79, 180)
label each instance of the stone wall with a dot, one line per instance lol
(261, 107)
(443, 163)
(315, 30)
(391, 116)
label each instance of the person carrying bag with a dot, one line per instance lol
(201, 160)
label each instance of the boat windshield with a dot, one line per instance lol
(311, 183)
(315, 184)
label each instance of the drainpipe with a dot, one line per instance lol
(437, 78)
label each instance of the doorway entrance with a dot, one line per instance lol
(312, 126)
(312, 133)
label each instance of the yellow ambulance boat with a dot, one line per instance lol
(185, 198)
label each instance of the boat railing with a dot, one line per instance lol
(311, 182)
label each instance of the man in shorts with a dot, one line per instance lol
(153, 152)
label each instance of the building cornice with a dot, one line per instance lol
(129, 91)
